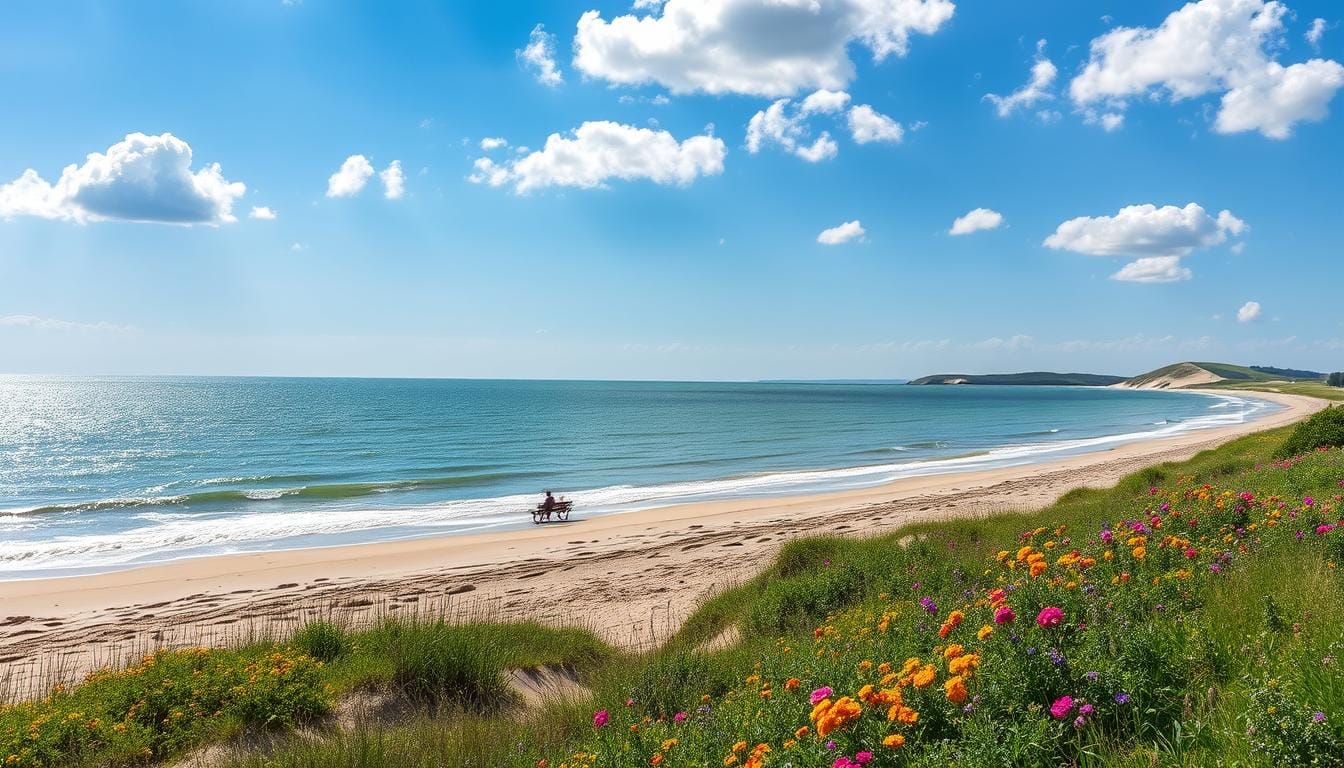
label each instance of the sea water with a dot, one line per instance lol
(106, 473)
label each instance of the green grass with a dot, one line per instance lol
(1224, 668)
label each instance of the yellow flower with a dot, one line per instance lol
(985, 632)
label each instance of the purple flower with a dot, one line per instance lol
(1122, 698)
(1092, 676)
(1308, 501)
(1318, 717)
(928, 604)
(1085, 710)
(1079, 721)
(830, 745)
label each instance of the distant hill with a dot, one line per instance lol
(1191, 374)
(1033, 378)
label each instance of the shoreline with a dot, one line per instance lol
(630, 576)
(778, 484)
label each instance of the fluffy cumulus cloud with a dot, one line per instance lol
(394, 181)
(1037, 89)
(787, 125)
(867, 125)
(825, 102)
(1153, 269)
(539, 55)
(599, 151)
(261, 212)
(141, 178)
(1225, 47)
(1249, 312)
(1160, 236)
(767, 48)
(976, 221)
(783, 126)
(350, 178)
(842, 233)
(491, 143)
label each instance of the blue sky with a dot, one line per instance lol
(649, 240)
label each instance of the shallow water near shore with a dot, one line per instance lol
(106, 473)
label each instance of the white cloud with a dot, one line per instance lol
(765, 48)
(601, 150)
(843, 233)
(261, 212)
(1249, 312)
(1036, 90)
(540, 54)
(825, 101)
(492, 143)
(780, 126)
(1153, 269)
(394, 181)
(1279, 97)
(1223, 47)
(1161, 236)
(975, 221)
(1315, 32)
(867, 125)
(49, 324)
(141, 178)
(350, 178)
(1146, 230)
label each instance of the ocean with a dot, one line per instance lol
(106, 473)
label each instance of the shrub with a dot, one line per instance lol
(1325, 428)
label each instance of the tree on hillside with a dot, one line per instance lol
(1335, 379)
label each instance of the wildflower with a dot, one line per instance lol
(600, 718)
(1122, 698)
(863, 758)
(1062, 707)
(1092, 676)
(1086, 710)
(680, 717)
(792, 684)
(984, 632)
(1004, 615)
(1318, 717)
(820, 693)
(927, 604)
(894, 741)
(924, 677)
(1050, 616)
(955, 688)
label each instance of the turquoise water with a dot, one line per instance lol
(102, 473)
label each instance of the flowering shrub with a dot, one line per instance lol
(167, 702)
(1135, 625)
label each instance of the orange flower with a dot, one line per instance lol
(955, 687)
(894, 741)
(792, 684)
(924, 677)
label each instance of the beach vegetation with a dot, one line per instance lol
(1322, 429)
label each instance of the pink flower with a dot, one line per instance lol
(1050, 616)
(863, 758)
(1004, 615)
(1062, 707)
(600, 718)
(680, 717)
(820, 694)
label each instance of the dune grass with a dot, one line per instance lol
(1200, 623)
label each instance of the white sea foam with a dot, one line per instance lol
(167, 536)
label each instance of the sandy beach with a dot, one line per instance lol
(631, 577)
